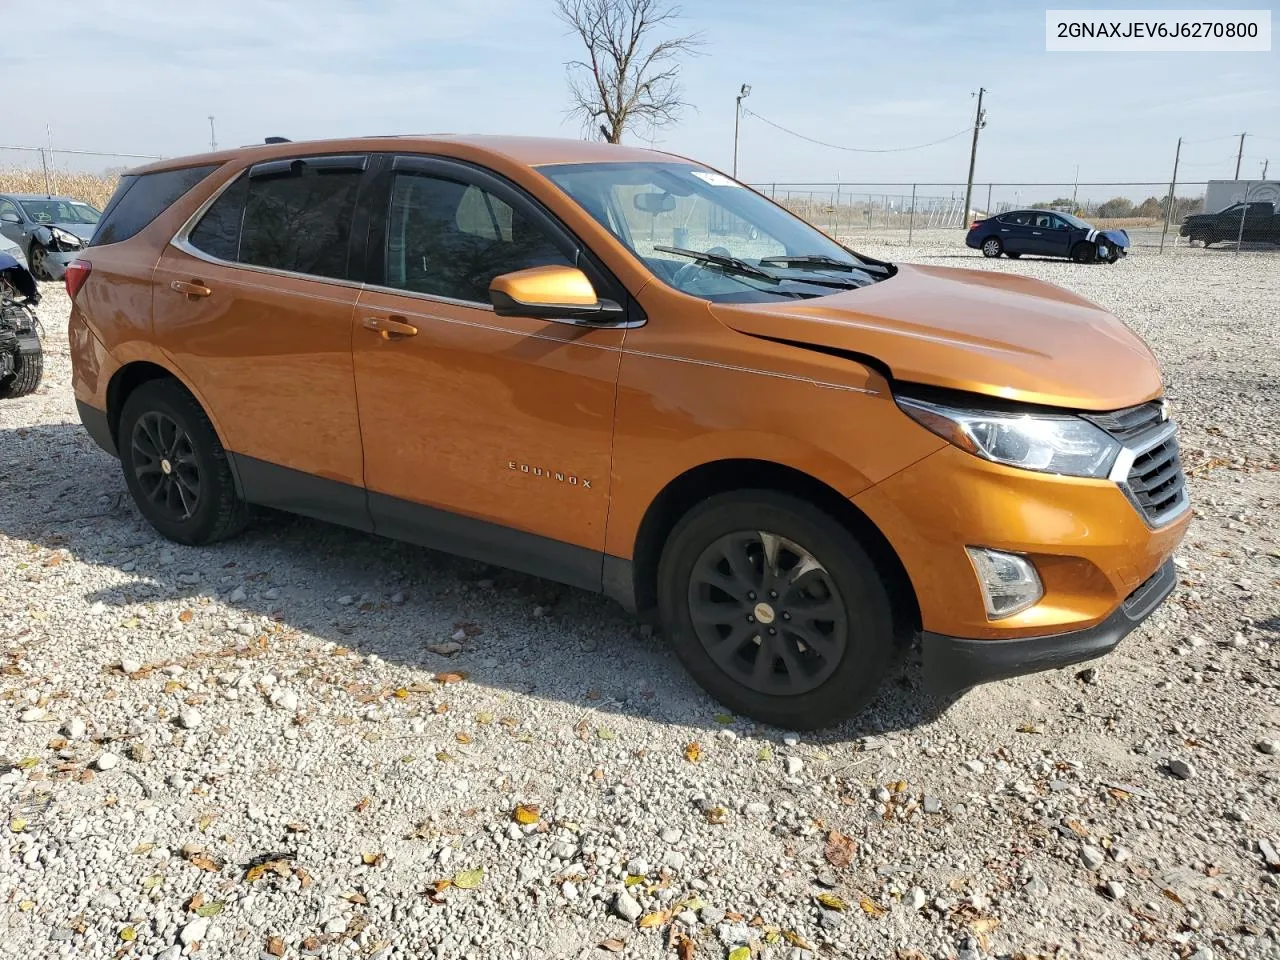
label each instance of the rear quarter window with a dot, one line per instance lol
(141, 198)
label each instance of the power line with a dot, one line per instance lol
(835, 146)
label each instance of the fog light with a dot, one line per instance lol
(1009, 582)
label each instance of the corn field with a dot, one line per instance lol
(92, 188)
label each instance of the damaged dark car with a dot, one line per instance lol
(21, 353)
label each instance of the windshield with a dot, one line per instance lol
(709, 236)
(60, 211)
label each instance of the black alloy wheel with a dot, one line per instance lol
(175, 467)
(768, 613)
(1084, 252)
(776, 609)
(992, 247)
(165, 464)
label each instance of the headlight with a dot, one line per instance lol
(68, 240)
(1050, 443)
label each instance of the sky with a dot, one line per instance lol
(142, 77)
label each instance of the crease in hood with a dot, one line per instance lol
(998, 334)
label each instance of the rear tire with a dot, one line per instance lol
(28, 369)
(826, 629)
(1084, 252)
(992, 247)
(175, 467)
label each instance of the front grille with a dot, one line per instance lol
(1130, 422)
(1156, 481)
(1149, 470)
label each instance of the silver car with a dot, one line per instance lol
(50, 230)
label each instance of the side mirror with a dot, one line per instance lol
(654, 202)
(10, 217)
(552, 292)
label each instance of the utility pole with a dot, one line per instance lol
(737, 118)
(1264, 168)
(1173, 183)
(978, 124)
(1074, 187)
(1239, 157)
(213, 140)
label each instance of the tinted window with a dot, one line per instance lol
(449, 239)
(140, 199)
(218, 232)
(298, 220)
(1021, 219)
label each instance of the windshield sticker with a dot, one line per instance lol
(715, 179)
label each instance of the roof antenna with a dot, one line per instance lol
(277, 140)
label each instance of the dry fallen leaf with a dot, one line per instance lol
(717, 815)
(839, 849)
(450, 677)
(185, 616)
(613, 945)
(1172, 896)
(684, 948)
(526, 813)
(651, 920)
(211, 909)
(128, 935)
(371, 859)
(469, 879)
(984, 925)
(363, 804)
(1076, 827)
(275, 946)
(462, 737)
(831, 901)
(740, 953)
(693, 752)
(871, 908)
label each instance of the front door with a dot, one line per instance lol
(255, 308)
(1049, 236)
(487, 436)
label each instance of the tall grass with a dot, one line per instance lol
(92, 188)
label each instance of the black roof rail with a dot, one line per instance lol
(277, 140)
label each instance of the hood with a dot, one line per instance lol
(998, 334)
(82, 230)
(1118, 238)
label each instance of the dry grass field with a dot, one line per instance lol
(90, 187)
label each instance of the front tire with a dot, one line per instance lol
(38, 261)
(775, 609)
(1084, 252)
(1012, 256)
(992, 247)
(28, 369)
(175, 467)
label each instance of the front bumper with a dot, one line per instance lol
(57, 261)
(953, 664)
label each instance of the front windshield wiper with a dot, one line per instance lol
(720, 260)
(822, 260)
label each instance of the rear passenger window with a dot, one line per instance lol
(285, 215)
(141, 198)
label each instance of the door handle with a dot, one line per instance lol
(192, 288)
(390, 327)
(1035, 233)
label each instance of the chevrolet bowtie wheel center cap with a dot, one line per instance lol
(764, 613)
(166, 466)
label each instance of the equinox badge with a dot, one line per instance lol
(546, 474)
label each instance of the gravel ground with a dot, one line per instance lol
(312, 742)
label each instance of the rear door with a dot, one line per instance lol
(1013, 231)
(254, 304)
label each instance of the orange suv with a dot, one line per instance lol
(626, 371)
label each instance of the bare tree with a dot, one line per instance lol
(629, 76)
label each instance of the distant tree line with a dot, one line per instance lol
(1119, 208)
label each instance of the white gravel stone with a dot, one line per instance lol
(197, 929)
(190, 718)
(626, 906)
(106, 761)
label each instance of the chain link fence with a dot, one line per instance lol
(854, 210)
(88, 175)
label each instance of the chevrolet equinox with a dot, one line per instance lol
(626, 371)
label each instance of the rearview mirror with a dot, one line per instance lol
(654, 202)
(556, 293)
(9, 217)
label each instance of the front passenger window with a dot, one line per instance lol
(450, 239)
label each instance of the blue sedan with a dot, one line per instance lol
(1046, 233)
